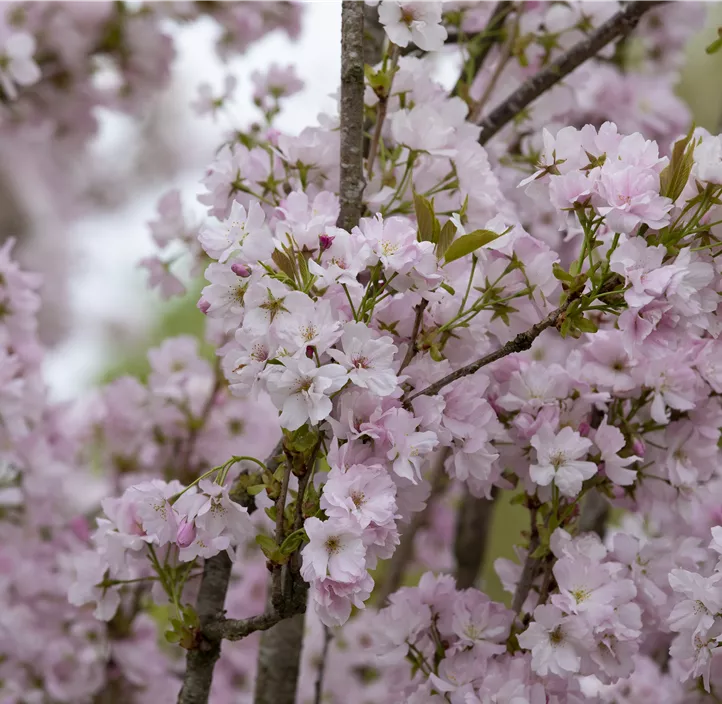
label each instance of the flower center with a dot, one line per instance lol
(556, 637)
(358, 498)
(557, 459)
(333, 544)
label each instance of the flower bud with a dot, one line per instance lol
(584, 429)
(80, 527)
(186, 533)
(325, 241)
(638, 447)
(241, 270)
(310, 351)
(203, 305)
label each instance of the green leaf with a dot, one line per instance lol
(561, 274)
(541, 551)
(466, 244)
(675, 175)
(172, 636)
(448, 288)
(425, 218)
(292, 543)
(585, 325)
(716, 45)
(446, 237)
(283, 262)
(268, 545)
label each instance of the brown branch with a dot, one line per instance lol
(352, 113)
(489, 36)
(405, 551)
(381, 108)
(531, 566)
(472, 535)
(594, 514)
(617, 26)
(413, 347)
(327, 637)
(523, 341)
(211, 599)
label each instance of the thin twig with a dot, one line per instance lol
(381, 108)
(413, 347)
(327, 637)
(523, 341)
(617, 26)
(405, 551)
(531, 565)
(352, 113)
(489, 36)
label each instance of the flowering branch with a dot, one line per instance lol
(352, 113)
(523, 341)
(617, 26)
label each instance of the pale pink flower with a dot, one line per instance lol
(301, 391)
(161, 277)
(18, 65)
(557, 642)
(365, 492)
(418, 22)
(332, 599)
(244, 234)
(610, 440)
(558, 460)
(335, 550)
(367, 358)
(704, 600)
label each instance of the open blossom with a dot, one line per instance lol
(697, 612)
(418, 22)
(558, 460)
(18, 65)
(708, 160)
(302, 391)
(367, 358)
(335, 550)
(557, 642)
(333, 599)
(308, 324)
(242, 233)
(393, 241)
(154, 510)
(610, 441)
(365, 492)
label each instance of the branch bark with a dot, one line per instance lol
(211, 599)
(617, 26)
(352, 113)
(472, 535)
(523, 341)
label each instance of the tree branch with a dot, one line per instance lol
(327, 637)
(617, 26)
(523, 341)
(413, 346)
(531, 565)
(489, 36)
(211, 599)
(352, 113)
(472, 534)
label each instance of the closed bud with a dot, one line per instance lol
(584, 428)
(203, 305)
(310, 351)
(638, 447)
(325, 241)
(241, 270)
(186, 533)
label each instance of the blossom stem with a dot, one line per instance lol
(381, 108)
(523, 341)
(618, 25)
(413, 346)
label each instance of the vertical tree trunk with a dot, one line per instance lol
(472, 533)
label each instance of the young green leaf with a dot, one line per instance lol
(466, 244)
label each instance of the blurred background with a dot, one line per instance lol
(100, 318)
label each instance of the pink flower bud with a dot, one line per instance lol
(186, 533)
(638, 447)
(584, 429)
(310, 351)
(241, 270)
(203, 305)
(325, 241)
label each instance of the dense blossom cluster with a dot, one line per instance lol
(352, 401)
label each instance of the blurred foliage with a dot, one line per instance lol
(700, 86)
(178, 317)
